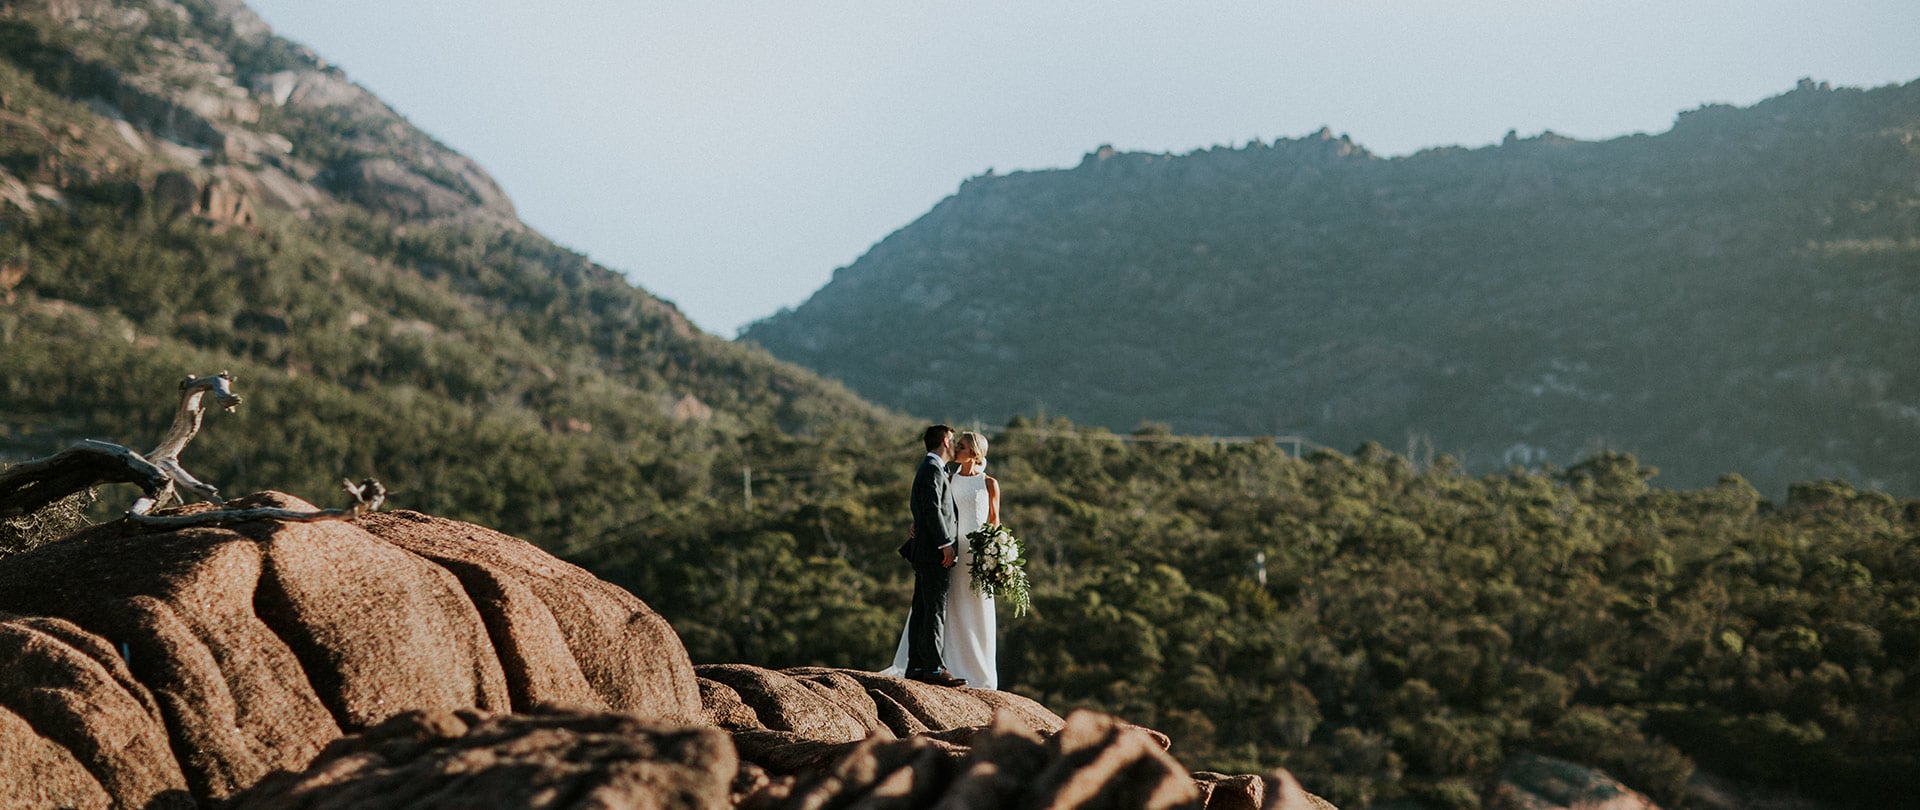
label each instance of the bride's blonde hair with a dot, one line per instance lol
(975, 442)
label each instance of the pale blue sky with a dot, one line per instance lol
(727, 156)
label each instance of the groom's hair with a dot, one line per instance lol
(936, 436)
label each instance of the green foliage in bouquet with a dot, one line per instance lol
(999, 566)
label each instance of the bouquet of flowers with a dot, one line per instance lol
(999, 568)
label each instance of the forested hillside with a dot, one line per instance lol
(1386, 630)
(186, 193)
(1736, 294)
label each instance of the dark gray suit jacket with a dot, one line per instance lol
(936, 524)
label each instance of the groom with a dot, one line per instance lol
(931, 547)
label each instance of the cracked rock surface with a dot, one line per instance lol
(164, 668)
(402, 660)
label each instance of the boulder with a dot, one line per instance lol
(844, 736)
(428, 185)
(43, 773)
(783, 703)
(881, 773)
(723, 707)
(563, 635)
(224, 200)
(198, 660)
(385, 185)
(71, 701)
(1534, 782)
(403, 660)
(1277, 790)
(844, 705)
(545, 758)
(1103, 761)
(784, 753)
(552, 756)
(1029, 711)
(1220, 791)
(314, 89)
(1093, 761)
(1709, 791)
(178, 608)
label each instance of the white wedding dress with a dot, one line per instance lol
(969, 631)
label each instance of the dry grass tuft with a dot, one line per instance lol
(45, 525)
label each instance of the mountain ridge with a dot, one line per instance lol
(1527, 303)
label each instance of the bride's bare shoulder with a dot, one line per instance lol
(993, 483)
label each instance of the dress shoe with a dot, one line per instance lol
(938, 677)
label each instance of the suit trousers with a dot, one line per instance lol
(926, 649)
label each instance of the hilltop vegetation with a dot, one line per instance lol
(1734, 295)
(1415, 626)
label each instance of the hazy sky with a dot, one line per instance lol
(729, 155)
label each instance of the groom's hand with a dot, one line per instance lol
(946, 557)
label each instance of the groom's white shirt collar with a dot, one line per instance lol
(936, 457)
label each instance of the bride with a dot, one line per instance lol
(968, 634)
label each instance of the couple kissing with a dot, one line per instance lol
(949, 638)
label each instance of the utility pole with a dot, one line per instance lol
(746, 485)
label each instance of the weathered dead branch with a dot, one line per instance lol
(28, 486)
(367, 495)
(186, 425)
(32, 485)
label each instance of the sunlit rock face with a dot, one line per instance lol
(545, 758)
(404, 660)
(180, 665)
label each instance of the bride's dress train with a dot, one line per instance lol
(969, 631)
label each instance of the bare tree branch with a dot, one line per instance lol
(368, 495)
(31, 485)
(186, 424)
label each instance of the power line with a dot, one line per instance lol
(1298, 442)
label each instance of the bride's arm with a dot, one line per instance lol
(993, 501)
